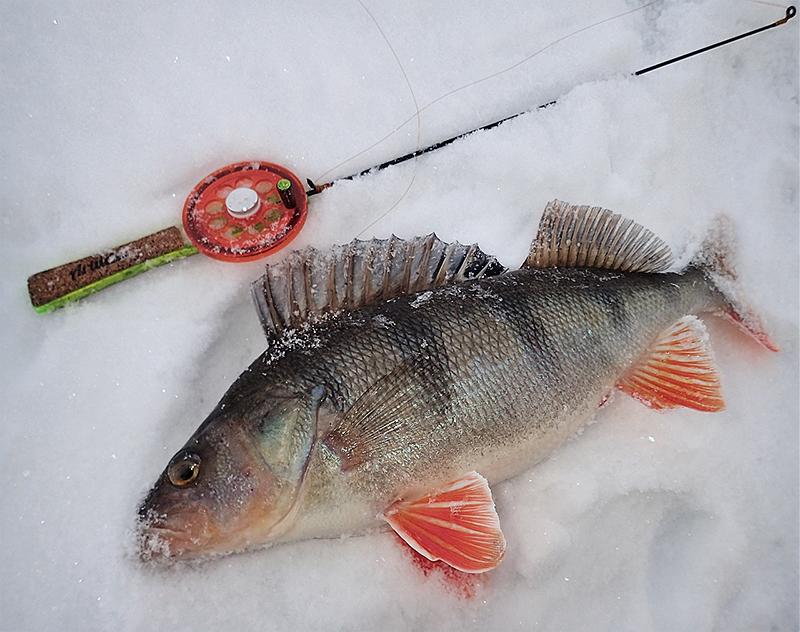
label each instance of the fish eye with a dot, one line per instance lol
(184, 469)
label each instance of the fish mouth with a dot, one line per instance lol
(184, 535)
(192, 536)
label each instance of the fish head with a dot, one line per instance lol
(234, 484)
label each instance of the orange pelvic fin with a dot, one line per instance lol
(677, 371)
(456, 523)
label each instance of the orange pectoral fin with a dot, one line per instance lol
(456, 524)
(677, 371)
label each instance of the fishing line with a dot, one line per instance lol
(478, 81)
(789, 14)
(315, 188)
(416, 114)
(769, 4)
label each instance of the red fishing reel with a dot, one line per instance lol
(245, 211)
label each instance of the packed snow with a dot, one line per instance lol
(111, 113)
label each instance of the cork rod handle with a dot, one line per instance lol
(54, 288)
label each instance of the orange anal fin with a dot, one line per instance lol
(456, 524)
(677, 371)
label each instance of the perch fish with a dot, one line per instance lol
(403, 378)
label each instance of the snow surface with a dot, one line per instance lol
(111, 113)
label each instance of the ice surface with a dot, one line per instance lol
(111, 113)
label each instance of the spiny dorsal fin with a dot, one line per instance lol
(593, 237)
(310, 283)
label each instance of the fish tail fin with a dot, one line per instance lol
(716, 260)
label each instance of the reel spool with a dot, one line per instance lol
(245, 211)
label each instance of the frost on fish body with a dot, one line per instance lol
(490, 376)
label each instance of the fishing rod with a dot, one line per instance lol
(241, 212)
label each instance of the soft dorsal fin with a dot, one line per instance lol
(456, 523)
(593, 237)
(677, 371)
(310, 283)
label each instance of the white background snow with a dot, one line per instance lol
(110, 113)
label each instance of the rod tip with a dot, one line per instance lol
(790, 13)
